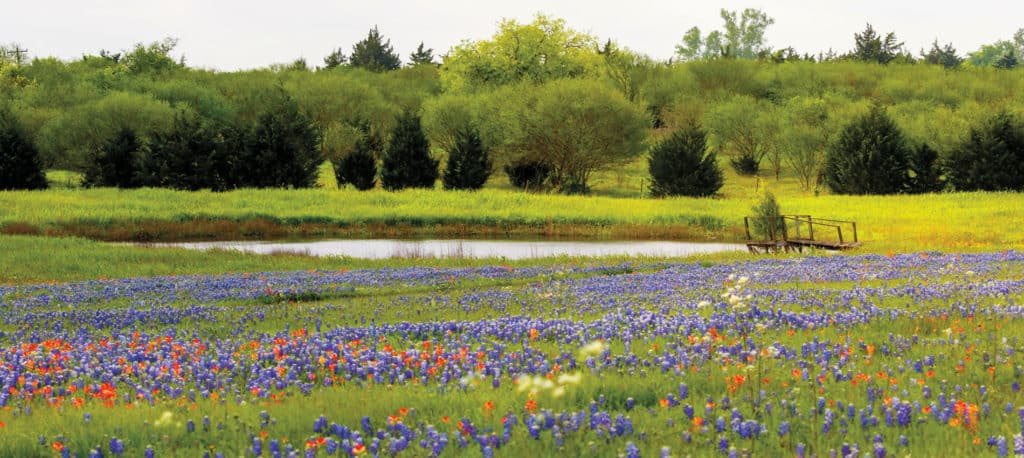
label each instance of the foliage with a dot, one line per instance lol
(543, 50)
(629, 72)
(681, 165)
(407, 162)
(469, 163)
(869, 157)
(154, 59)
(804, 136)
(869, 46)
(116, 164)
(528, 175)
(742, 38)
(68, 139)
(925, 170)
(576, 127)
(746, 128)
(360, 166)
(1002, 53)
(945, 56)
(20, 167)
(991, 158)
(374, 53)
(186, 157)
(422, 56)
(335, 59)
(283, 148)
(767, 222)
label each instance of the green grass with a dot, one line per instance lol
(922, 222)
(33, 259)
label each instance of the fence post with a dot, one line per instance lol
(840, 230)
(746, 223)
(854, 231)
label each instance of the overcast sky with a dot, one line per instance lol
(235, 34)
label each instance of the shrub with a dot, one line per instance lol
(283, 148)
(20, 167)
(925, 175)
(870, 157)
(407, 162)
(184, 158)
(682, 166)
(767, 223)
(991, 158)
(117, 163)
(528, 175)
(469, 164)
(359, 168)
(745, 164)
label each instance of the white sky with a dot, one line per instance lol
(235, 34)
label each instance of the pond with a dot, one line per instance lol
(508, 249)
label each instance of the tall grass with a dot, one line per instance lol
(936, 221)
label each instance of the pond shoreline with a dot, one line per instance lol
(264, 229)
(463, 248)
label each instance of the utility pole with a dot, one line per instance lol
(19, 54)
(16, 54)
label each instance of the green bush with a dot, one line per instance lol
(117, 163)
(870, 157)
(359, 168)
(528, 175)
(991, 158)
(20, 167)
(469, 163)
(682, 166)
(407, 162)
(767, 223)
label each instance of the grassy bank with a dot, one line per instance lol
(952, 221)
(29, 259)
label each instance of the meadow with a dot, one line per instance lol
(618, 209)
(904, 354)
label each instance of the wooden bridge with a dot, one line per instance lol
(794, 232)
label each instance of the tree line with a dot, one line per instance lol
(547, 105)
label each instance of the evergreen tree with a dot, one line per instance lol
(374, 53)
(991, 158)
(1007, 61)
(116, 164)
(407, 162)
(682, 166)
(945, 56)
(469, 164)
(767, 222)
(869, 46)
(870, 157)
(924, 169)
(282, 150)
(20, 167)
(359, 168)
(421, 56)
(335, 59)
(183, 158)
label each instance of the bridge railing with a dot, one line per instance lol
(801, 228)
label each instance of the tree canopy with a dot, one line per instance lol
(374, 53)
(742, 37)
(543, 50)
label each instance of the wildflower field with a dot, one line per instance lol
(815, 356)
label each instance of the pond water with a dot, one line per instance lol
(508, 249)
